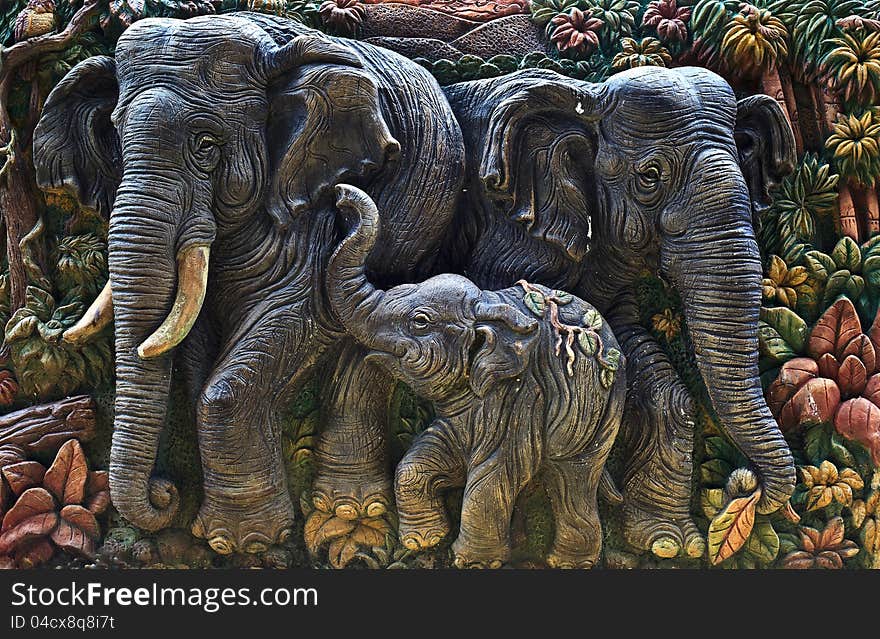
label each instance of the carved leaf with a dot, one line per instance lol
(34, 501)
(98, 492)
(829, 366)
(791, 327)
(66, 477)
(563, 298)
(711, 500)
(24, 475)
(846, 255)
(310, 531)
(814, 403)
(589, 342)
(852, 376)
(26, 530)
(34, 553)
(77, 531)
(593, 320)
(862, 348)
(859, 420)
(834, 330)
(331, 528)
(341, 551)
(535, 302)
(370, 532)
(794, 374)
(731, 527)
(763, 543)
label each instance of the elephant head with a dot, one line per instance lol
(664, 165)
(198, 129)
(443, 337)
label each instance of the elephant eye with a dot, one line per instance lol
(649, 177)
(206, 142)
(206, 150)
(648, 183)
(420, 321)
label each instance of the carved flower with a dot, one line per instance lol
(55, 508)
(669, 20)
(838, 383)
(825, 485)
(782, 283)
(344, 16)
(575, 31)
(8, 388)
(647, 52)
(827, 549)
(667, 323)
(755, 40)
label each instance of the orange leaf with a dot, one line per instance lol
(24, 475)
(859, 420)
(341, 551)
(794, 374)
(731, 527)
(862, 348)
(66, 477)
(26, 530)
(310, 531)
(77, 531)
(832, 535)
(852, 376)
(34, 501)
(814, 403)
(790, 513)
(834, 330)
(98, 491)
(367, 536)
(828, 366)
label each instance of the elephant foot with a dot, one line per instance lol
(564, 561)
(468, 556)
(425, 534)
(666, 537)
(349, 498)
(228, 527)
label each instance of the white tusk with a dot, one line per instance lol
(98, 315)
(192, 283)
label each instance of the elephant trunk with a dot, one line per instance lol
(142, 273)
(352, 297)
(717, 270)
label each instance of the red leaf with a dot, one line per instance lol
(814, 403)
(98, 492)
(872, 389)
(34, 501)
(862, 348)
(24, 475)
(834, 330)
(77, 531)
(828, 366)
(859, 420)
(794, 374)
(852, 376)
(27, 530)
(66, 477)
(34, 553)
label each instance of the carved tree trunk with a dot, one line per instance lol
(45, 427)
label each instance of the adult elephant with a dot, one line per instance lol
(585, 187)
(214, 144)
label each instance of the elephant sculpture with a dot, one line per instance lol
(213, 145)
(585, 187)
(510, 401)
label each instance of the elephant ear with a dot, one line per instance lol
(537, 162)
(504, 340)
(325, 126)
(765, 144)
(76, 148)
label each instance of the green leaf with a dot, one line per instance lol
(846, 255)
(854, 287)
(835, 287)
(711, 501)
(789, 326)
(772, 345)
(819, 264)
(719, 448)
(562, 297)
(871, 270)
(593, 320)
(763, 543)
(715, 472)
(535, 302)
(39, 302)
(841, 453)
(612, 359)
(817, 443)
(589, 342)
(20, 328)
(606, 377)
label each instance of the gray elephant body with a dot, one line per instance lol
(587, 187)
(227, 136)
(510, 400)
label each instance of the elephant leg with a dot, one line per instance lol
(352, 469)
(658, 439)
(433, 464)
(246, 504)
(572, 486)
(487, 507)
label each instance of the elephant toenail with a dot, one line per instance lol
(284, 535)
(221, 545)
(321, 503)
(346, 511)
(411, 543)
(665, 548)
(434, 540)
(256, 548)
(696, 547)
(376, 509)
(495, 564)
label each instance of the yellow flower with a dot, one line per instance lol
(647, 52)
(825, 485)
(781, 284)
(855, 143)
(667, 323)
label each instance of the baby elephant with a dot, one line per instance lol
(524, 380)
